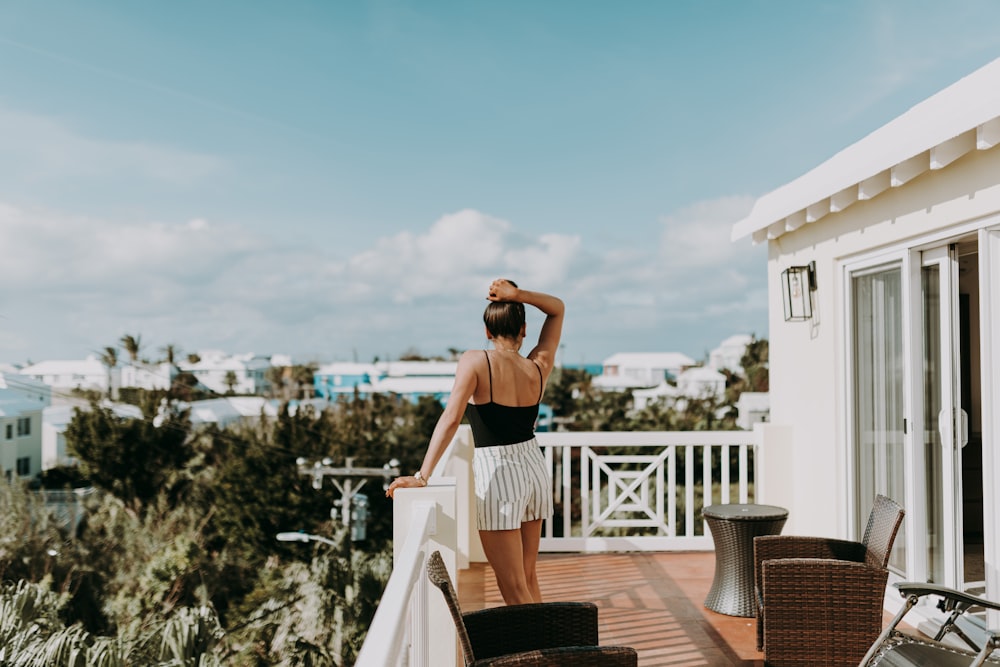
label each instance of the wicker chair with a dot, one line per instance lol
(819, 600)
(546, 634)
(898, 649)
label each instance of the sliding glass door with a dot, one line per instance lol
(878, 383)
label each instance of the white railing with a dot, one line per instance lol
(613, 491)
(619, 491)
(409, 614)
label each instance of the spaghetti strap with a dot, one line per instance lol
(541, 382)
(488, 366)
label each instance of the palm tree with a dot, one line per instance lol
(131, 345)
(303, 376)
(109, 357)
(230, 380)
(170, 352)
(276, 378)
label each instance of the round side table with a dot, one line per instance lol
(733, 529)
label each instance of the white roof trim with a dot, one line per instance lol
(963, 117)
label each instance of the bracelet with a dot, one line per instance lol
(419, 476)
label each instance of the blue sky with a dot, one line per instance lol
(342, 180)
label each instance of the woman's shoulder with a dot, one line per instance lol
(472, 359)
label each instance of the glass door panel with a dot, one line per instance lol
(944, 425)
(878, 395)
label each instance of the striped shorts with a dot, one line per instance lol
(512, 485)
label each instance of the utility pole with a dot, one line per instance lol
(346, 480)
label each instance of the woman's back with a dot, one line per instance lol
(507, 378)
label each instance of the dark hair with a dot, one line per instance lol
(504, 319)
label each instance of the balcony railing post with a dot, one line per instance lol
(434, 641)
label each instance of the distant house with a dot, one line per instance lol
(227, 411)
(753, 407)
(408, 379)
(148, 376)
(729, 354)
(89, 373)
(414, 379)
(22, 401)
(701, 382)
(413, 388)
(215, 369)
(344, 378)
(632, 370)
(664, 393)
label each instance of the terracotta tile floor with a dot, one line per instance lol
(652, 602)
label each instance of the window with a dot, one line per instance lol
(10, 431)
(23, 426)
(24, 466)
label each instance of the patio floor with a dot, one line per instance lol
(652, 602)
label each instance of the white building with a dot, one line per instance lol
(752, 407)
(66, 375)
(228, 411)
(22, 400)
(632, 370)
(885, 377)
(215, 370)
(729, 354)
(663, 393)
(701, 382)
(148, 376)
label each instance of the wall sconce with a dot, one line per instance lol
(797, 285)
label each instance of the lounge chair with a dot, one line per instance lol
(894, 648)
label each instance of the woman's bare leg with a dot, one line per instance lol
(531, 537)
(505, 553)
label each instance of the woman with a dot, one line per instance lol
(499, 391)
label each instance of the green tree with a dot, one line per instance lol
(563, 390)
(131, 458)
(755, 364)
(602, 411)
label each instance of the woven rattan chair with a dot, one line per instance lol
(545, 634)
(894, 648)
(819, 600)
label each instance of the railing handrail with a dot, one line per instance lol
(391, 621)
(644, 438)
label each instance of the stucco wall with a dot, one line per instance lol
(807, 373)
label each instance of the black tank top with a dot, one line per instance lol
(494, 424)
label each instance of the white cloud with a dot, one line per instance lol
(196, 283)
(73, 285)
(459, 255)
(699, 235)
(40, 149)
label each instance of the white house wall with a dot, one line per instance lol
(807, 386)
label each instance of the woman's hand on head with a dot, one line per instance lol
(502, 289)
